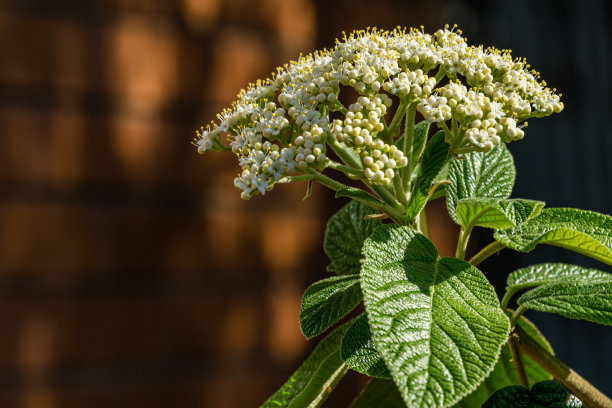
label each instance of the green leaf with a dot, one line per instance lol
(310, 383)
(359, 195)
(435, 321)
(344, 236)
(436, 154)
(504, 375)
(586, 232)
(577, 299)
(480, 175)
(542, 274)
(359, 352)
(379, 393)
(327, 301)
(496, 213)
(545, 394)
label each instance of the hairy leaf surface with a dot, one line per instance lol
(435, 321)
(545, 394)
(379, 393)
(504, 375)
(310, 384)
(577, 299)
(542, 274)
(359, 351)
(327, 301)
(585, 232)
(480, 175)
(496, 213)
(344, 236)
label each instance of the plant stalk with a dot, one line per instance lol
(517, 360)
(462, 242)
(408, 143)
(580, 387)
(491, 249)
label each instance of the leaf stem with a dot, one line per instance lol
(408, 143)
(517, 360)
(491, 249)
(517, 313)
(462, 242)
(580, 387)
(422, 224)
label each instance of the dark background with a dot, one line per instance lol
(131, 273)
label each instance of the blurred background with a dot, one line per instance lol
(131, 272)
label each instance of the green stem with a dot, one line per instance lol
(400, 193)
(393, 128)
(345, 169)
(462, 242)
(294, 179)
(491, 249)
(517, 360)
(342, 152)
(506, 299)
(517, 313)
(580, 387)
(326, 181)
(422, 224)
(408, 144)
(352, 161)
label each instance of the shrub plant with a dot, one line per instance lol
(434, 333)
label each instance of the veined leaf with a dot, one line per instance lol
(379, 393)
(577, 299)
(436, 154)
(496, 213)
(545, 394)
(344, 236)
(504, 375)
(480, 175)
(435, 321)
(585, 232)
(327, 301)
(310, 384)
(542, 274)
(359, 351)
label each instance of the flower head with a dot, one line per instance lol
(285, 124)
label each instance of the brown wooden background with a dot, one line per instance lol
(131, 273)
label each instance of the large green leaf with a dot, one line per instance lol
(545, 394)
(435, 321)
(585, 232)
(327, 301)
(309, 386)
(379, 393)
(504, 375)
(346, 231)
(496, 213)
(436, 154)
(359, 352)
(577, 299)
(480, 174)
(542, 274)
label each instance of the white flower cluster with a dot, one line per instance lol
(359, 129)
(281, 125)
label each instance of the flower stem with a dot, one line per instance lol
(408, 143)
(580, 387)
(350, 171)
(517, 360)
(491, 249)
